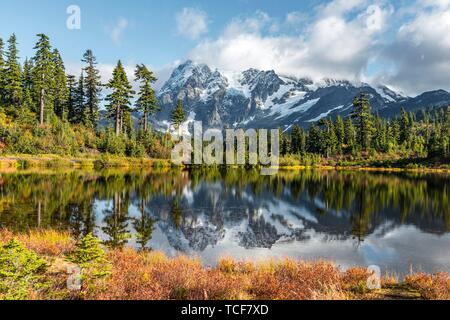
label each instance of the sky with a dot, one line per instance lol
(404, 44)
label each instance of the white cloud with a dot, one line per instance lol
(331, 45)
(406, 48)
(191, 22)
(295, 17)
(116, 32)
(420, 51)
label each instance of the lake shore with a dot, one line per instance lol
(81, 162)
(123, 274)
(15, 162)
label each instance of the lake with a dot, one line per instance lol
(398, 221)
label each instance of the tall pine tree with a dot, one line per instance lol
(71, 100)
(340, 132)
(178, 116)
(27, 84)
(298, 144)
(119, 99)
(43, 75)
(60, 90)
(147, 103)
(349, 135)
(79, 101)
(363, 120)
(92, 86)
(12, 75)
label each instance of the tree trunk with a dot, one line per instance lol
(117, 121)
(145, 122)
(121, 120)
(41, 107)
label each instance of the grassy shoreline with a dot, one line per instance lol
(80, 162)
(131, 275)
(17, 162)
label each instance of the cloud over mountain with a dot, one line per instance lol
(405, 46)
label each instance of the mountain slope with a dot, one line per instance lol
(259, 99)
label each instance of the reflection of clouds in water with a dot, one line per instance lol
(408, 244)
(243, 220)
(188, 194)
(393, 252)
(394, 248)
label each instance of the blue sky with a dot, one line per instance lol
(403, 43)
(151, 33)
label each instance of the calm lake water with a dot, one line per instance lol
(396, 221)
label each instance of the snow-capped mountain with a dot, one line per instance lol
(255, 98)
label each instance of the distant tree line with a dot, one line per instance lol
(363, 133)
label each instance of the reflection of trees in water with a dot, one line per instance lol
(81, 218)
(362, 199)
(176, 213)
(116, 221)
(144, 225)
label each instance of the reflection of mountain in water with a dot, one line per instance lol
(200, 209)
(281, 210)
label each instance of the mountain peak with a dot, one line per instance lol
(257, 98)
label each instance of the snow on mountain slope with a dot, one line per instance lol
(264, 99)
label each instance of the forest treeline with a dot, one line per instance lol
(425, 134)
(44, 110)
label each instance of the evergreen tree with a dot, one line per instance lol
(12, 75)
(349, 135)
(72, 99)
(43, 75)
(147, 102)
(364, 120)
(60, 90)
(380, 139)
(315, 140)
(285, 143)
(92, 88)
(127, 123)
(394, 133)
(27, 84)
(178, 116)
(298, 144)
(340, 133)
(329, 138)
(119, 98)
(79, 101)
(405, 126)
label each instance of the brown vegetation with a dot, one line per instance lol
(149, 275)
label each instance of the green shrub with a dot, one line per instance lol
(21, 270)
(135, 149)
(90, 256)
(112, 144)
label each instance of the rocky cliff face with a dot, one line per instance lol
(264, 99)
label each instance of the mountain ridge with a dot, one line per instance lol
(263, 98)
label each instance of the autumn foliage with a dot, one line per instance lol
(150, 275)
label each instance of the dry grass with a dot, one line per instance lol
(154, 276)
(44, 242)
(150, 275)
(432, 287)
